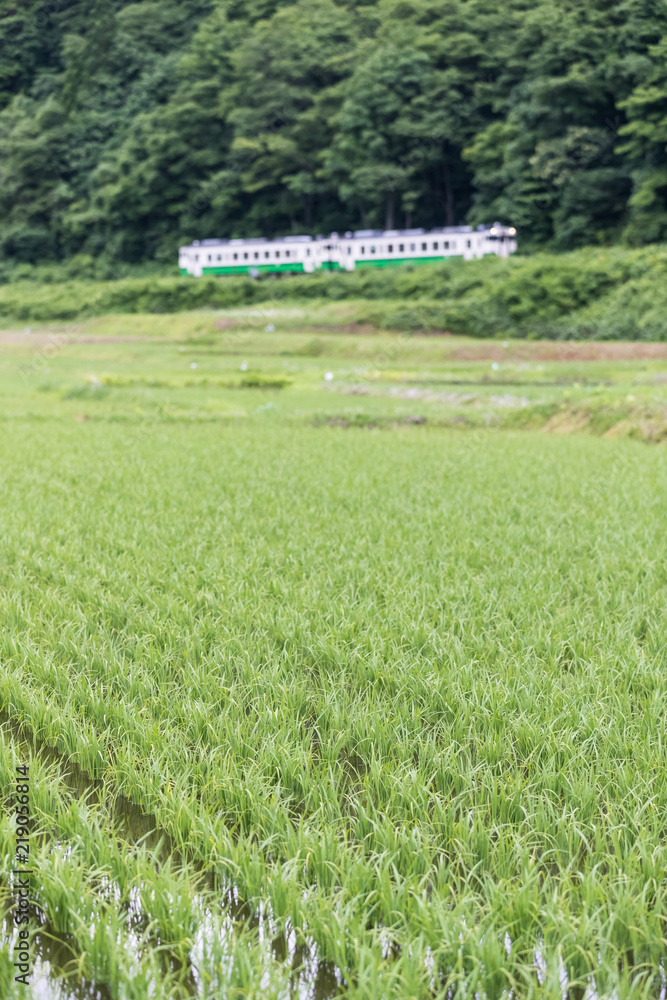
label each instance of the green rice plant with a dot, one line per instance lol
(7, 973)
(170, 903)
(398, 697)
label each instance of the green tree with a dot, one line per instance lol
(280, 106)
(551, 166)
(369, 158)
(127, 128)
(644, 142)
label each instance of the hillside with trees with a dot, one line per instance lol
(129, 128)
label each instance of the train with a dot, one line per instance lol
(346, 252)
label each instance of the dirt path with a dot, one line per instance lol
(42, 338)
(460, 349)
(557, 350)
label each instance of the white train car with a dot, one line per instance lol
(363, 248)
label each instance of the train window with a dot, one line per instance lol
(412, 248)
(219, 256)
(236, 256)
(468, 244)
(196, 258)
(266, 254)
(362, 249)
(256, 256)
(401, 247)
(349, 250)
(446, 244)
(209, 258)
(372, 249)
(245, 256)
(277, 254)
(308, 252)
(424, 246)
(287, 253)
(435, 246)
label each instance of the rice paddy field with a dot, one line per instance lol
(338, 659)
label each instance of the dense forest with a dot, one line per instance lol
(128, 128)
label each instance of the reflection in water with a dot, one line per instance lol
(311, 979)
(54, 955)
(51, 954)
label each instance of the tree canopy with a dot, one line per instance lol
(129, 128)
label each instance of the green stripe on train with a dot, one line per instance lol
(247, 268)
(329, 265)
(397, 261)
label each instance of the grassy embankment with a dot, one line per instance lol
(616, 294)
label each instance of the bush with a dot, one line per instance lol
(593, 293)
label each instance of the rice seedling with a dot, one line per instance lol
(392, 705)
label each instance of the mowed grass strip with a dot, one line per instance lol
(408, 690)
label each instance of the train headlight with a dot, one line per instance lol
(512, 231)
(493, 230)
